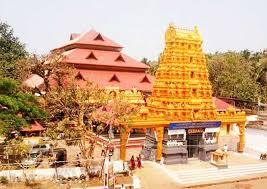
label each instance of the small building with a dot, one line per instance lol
(101, 60)
(35, 129)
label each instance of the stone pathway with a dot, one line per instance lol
(196, 172)
(211, 175)
(152, 176)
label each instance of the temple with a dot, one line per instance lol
(180, 117)
(100, 60)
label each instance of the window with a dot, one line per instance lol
(145, 80)
(192, 74)
(195, 112)
(180, 137)
(120, 58)
(79, 76)
(194, 92)
(114, 78)
(91, 56)
(99, 37)
(172, 137)
(176, 137)
(210, 135)
(189, 47)
(228, 128)
(191, 59)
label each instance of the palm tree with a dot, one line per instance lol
(246, 54)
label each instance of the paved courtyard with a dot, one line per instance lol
(196, 172)
(256, 142)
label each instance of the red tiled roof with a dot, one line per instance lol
(220, 104)
(74, 35)
(33, 127)
(123, 80)
(101, 58)
(91, 38)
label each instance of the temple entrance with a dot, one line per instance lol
(193, 140)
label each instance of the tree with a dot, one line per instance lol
(235, 75)
(146, 61)
(17, 108)
(49, 67)
(11, 50)
(68, 107)
(116, 111)
(16, 150)
(246, 54)
(153, 65)
(75, 111)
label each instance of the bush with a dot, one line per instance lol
(3, 180)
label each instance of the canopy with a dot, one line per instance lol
(35, 127)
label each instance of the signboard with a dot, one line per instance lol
(212, 130)
(176, 132)
(195, 130)
(188, 125)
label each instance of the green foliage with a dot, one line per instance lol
(153, 65)
(17, 109)
(69, 105)
(238, 75)
(11, 50)
(3, 180)
(16, 150)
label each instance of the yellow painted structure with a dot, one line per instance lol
(181, 91)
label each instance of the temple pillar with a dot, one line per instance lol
(159, 133)
(241, 137)
(124, 134)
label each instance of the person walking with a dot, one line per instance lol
(138, 162)
(141, 161)
(132, 163)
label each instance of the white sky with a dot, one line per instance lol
(138, 25)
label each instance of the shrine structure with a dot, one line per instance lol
(100, 60)
(180, 117)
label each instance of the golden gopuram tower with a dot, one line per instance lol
(182, 90)
(180, 111)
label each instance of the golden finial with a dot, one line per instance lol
(170, 33)
(196, 29)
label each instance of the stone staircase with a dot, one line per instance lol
(262, 116)
(260, 121)
(212, 175)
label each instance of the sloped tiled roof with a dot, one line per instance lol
(74, 35)
(102, 58)
(33, 127)
(90, 38)
(124, 80)
(220, 104)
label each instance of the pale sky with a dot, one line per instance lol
(138, 25)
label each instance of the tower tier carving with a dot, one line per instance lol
(182, 90)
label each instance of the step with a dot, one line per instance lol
(206, 175)
(219, 176)
(211, 174)
(263, 165)
(224, 171)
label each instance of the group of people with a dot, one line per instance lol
(138, 161)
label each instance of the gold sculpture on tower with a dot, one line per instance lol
(182, 90)
(182, 94)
